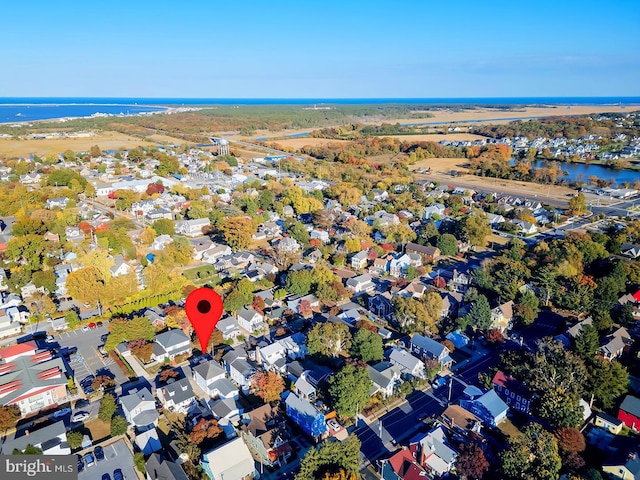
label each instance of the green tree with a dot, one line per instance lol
(367, 345)
(297, 231)
(531, 456)
(328, 339)
(561, 409)
(349, 390)
(607, 381)
(480, 313)
(448, 244)
(578, 204)
(299, 282)
(164, 226)
(118, 426)
(107, 407)
(139, 462)
(72, 319)
(527, 307)
(475, 228)
(46, 279)
(74, 439)
(430, 233)
(29, 450)
(237, 232)
(587, 342)
(330, 458)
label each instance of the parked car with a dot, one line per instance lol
(62, 413)
(335, 426)
(50, 339)
(79, 416)
(80, 463)
(100, 324)
(89, 389)
(90, 460)
(85, 328)
(106, 476)
(92, 326)
(117, 474)
(99, 453)
(88, 380)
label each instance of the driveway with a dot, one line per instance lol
(91, 360)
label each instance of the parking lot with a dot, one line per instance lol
(116, 455)
(88, 360)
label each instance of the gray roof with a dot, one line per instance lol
(224, 386)
(181, 391)
(222, 408)
(27, 374)
(427, 344)
(132, 401)
(378, 378)
(209, 369)
(300, 405)
(159, 468)
(304, 386)
(404, 358)
(35, 437)
(631, 405)
(171, 338)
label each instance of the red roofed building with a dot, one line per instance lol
(512, 392)
(9, 353)
(402, 466)
(32, 381)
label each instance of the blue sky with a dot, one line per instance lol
(320, 49)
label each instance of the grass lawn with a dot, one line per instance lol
(99, 429)
(202, 274)
(508, 428)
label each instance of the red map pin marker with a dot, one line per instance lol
(204, 309)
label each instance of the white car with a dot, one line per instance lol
(85, 328)
(79, 416)
(335, 426)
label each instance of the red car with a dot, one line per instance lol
(92, 325)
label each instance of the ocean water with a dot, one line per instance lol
(24, 109)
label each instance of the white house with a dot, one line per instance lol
(250, 320)
(169, 344)
(139, 408)
(210, 376)
(192, 228)
(177, 395)
(361, 283)
(232, 460)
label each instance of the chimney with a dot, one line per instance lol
(26, 433)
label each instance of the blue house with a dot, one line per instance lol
(305, 415)
(488, 407)
(425, 347)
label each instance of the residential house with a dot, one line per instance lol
(461, 423)
(359, 260)
(192, 228)
(525, 227)
(294, 346)
(169, 344)
(380, 266)
(379, 195)
(160, 242)
(250, 320)
(304, 388)
(139, 408)
(239, 367)
(215, 252)
(609, 423)
(8, 326)
(629, 412)
(177, 395)
(31, 380)
(265, 432)
(361, 284)
(459, 281)
(313, 256)
(319, 234)
(614, 345)
(624, 464)
(385, 377)
(437, 209)
(73, 234)
(487, 406)
(120, 267)
(293, 302)
(287, 245)
(211, 378)
(415, 289)
(502, 316)
(52, 440)
(433, 453)
(409, 365)
(630, 250)
(272, 357)
(402, 465)
(59, 202)
(229, 328)
(381, 305)
(427, 348)
(512, 392)
(231, 460)
(159, 468)
(429, 254)
(495, 220)
(306, 416)
(148, 441)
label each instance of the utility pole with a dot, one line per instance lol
(450, 388)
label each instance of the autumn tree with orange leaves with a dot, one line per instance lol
(268, 386)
